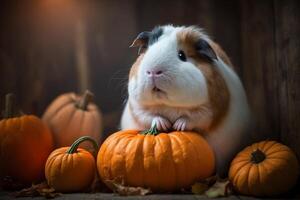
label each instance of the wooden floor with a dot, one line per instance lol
(5, 195)
(110, 196)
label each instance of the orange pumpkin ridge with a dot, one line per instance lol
(266, 168)
(71, 169)
(24, 141)
(70, 116)
(160, 161)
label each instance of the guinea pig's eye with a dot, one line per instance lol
(181, 55)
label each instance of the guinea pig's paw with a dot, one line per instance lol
(181, 124)
(162, 124)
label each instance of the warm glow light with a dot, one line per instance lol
(57, 2)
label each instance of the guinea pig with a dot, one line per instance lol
(182, 80)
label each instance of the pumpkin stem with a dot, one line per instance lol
(152, 131)
(84, 101)
(10, 110)
(75, 145)
(257, 156)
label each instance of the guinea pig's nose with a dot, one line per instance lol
(155, 72)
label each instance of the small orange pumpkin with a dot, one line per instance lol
(266, 168)
(25, 143)
(160, 161)
(71, 169)
(70, 116)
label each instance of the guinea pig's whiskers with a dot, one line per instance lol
(119, 80)
(121, 76)
(124, 87)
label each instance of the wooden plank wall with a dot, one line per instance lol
(270, 67)
(46, 46)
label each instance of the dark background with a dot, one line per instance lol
(48, 47)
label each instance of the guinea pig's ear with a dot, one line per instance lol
(205, 50)
(141, 41)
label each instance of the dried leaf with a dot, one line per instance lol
(211, 180)
(201, 186)
(37, 190)
(118, 187)
(221, 188)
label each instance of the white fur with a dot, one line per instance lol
(183, 83)
(180, 79)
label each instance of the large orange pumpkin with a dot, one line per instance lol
(25, 143)
(266, 168)
(71, 116)
(162, 162)
(71, 169)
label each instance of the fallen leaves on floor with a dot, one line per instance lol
(221, 188)
(201, 186)
(37, 190)
(212, 187)
(118, 187)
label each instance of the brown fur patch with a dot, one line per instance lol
(221, 53)
(135, 66)
(217, 89)
(218, 92)
(187, 39)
